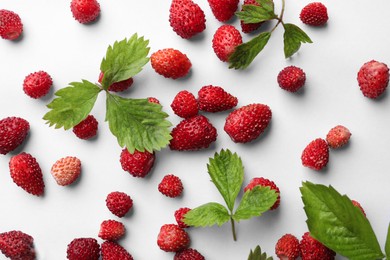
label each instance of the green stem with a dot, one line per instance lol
(280, 18)
(233, 229)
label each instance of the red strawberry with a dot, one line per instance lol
(114, 251)
(119, 203)
(338, 136)
(85, 11)
(153, 100)
(291, 78)
(314, 14)
(66, 170)
(170, 63)
(215, 99)
(248, 122)
(188, 254)
(111, 230)
(17, 245)
(117, 86)
(250, 27)
(172, 238)
(223, 10)
(357, 204)
(312, 249)
(287, 247)
(138, 164)
(87, 128)
(26, 173)
(265, 183)
(83, 249)
(185, 104)
(373, 78)
(186, 18)
(171, 186)
(13, 131)
(316, 154)
(179, 216)
(37, 84)
(225, 41)
(11, 26)
(193, 134)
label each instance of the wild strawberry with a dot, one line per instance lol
(185, 104)
(188, 254)
(357, 204)
(26, 173)
(117, 86)
(193, 134)
(111, 230)
(291, 78)
(37, 84)
(314, 14)
(85, 11)
(138, 164)
(119, 203)
(264, 183)
(186, 18)
(11, 26)
(171, 186)
(114, 251)
(13, 131)
(17, 245)
(179, 216)
(153, 100)
(225, 41)
(250, 27)
(66, 170)
(316, 154)
(223, 10)
(287, 247)
(83, 249)
(373, 78)
(338, 136)
(172, 238)
(215, 99)
(170, 63)
(312, 249)
(248, 122)
(87, 128)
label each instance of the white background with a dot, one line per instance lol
(357, 31)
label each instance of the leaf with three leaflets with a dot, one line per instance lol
(293, 37)
(207, 215)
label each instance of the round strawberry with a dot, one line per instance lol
(291, 78)
(114, 251)
(265, 183)
(316, 154)
(87, 128)
(172, 238)
(13, 131)
(85, 11)
(312, 249)
(185, 104)
(373, 78)
(223, 10)
(179, 216)
(170, 63)
(171, 186)
(119, 203)
(83, 249)
(138, 164)
(225, 41)
(37, 84)
(66, 170)
(338, 136)
(17, 245)
(287, 247)
(215, 99)
(250, 27)
(314, 14)
(188, 254)
(111, 230)
(119, 86)
(11, 26)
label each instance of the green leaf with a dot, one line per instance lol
(72, 105)
(268, 5)
(255, 14)
(207, 215)
(258, 255)
(124, 60)
(245, 53)
(387, 246)
(293, 37)
(227, 173)
(137, 124)
(338, 224)
(255, 202)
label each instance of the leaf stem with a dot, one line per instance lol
(233, 229)
(280, 18)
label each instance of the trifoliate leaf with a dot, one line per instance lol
(338, 224)
(258, 255)
(227, 173)
(137, 123)
(255, 202)
(293, 37)
(124, 60)
(245, 53)
(255, 14)
(207, 215)
(387, 246)
(72, 105)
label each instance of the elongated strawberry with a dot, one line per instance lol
(185, 104)
(17, 245)
(11, 26)
(85, 11)
(172, 238)
(223, 10)
(316, 154)
(113, 251)
(215, 99)
(138, 164)
(170, 63)
(13, 131)
(84, 248)
(111, 230)
(225, 40)
(66, 170)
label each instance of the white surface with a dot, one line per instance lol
(53, 41)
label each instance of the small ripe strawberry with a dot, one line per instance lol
(291, 78)
(314, 14)
(223, 10)
(119, 203)
(85, 11)
(179, 216)
(215, 99)
(194, 133)
(111, 230)
(172, 238)
(188, 254)
(153, 100)
(316, 154)
(225, 41)
(11, 26)
(250, 27)
(17, 245)
(357, 204)
(83, 249)
(312, 249)
(171, 186)
(13, 131)
(185, 104)
(170, 63)
(117, 86)
(287, 247)
(66, 170)
(26, 173)
(248, 122)
(138, 164)
(186, 18)
(37, 84)
(114, 251)
(265, 183)
(338, 136)
(87, 128)
(373, 78)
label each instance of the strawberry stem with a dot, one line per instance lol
(233, 229)
(280, 18)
